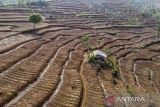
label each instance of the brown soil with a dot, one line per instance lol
(47, 66)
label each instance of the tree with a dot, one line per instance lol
(35, 19)
(21, 3)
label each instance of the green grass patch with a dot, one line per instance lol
(114, 64)
(107, 51)
(130, 89)
(85, 37)
(83, 14)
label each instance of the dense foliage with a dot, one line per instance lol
(35, 18)
(110, 62)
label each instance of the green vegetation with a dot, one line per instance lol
(130, 89)
(91, 47)
(35, 19)
(21, 3)
(100, 64)
(110, 62)
(114, 64)
(85, 37)
(107, 51)
(155, 14)
(83, 14)
(149, 12)
(36, 2)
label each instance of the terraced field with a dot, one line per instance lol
(46, 67)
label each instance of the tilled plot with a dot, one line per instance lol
(50, 68)
(19, 53)
(52, 71)
(30, 67)
(48, 80)
(13, 41)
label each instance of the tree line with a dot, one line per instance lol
(22, 2)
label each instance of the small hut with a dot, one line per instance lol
(100, 55)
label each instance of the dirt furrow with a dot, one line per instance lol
(62, 39)
(144, 72)
(21, 52)
(71, 67)
(34, 64)
(9, 43)
(48, 66)
(116, 42)
(73, 86)
(125, 63)
(126, 43)
(148, 74)
(93, 95)
(38, 87)
(91, 85)
(44, 31)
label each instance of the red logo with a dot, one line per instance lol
(110, 99)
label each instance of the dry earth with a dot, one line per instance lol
(46, 67)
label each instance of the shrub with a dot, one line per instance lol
(85, 37)
(130, 89)
(149, 12)
(110, 62)
(107, 51)
(100, 63)
(114, 64)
